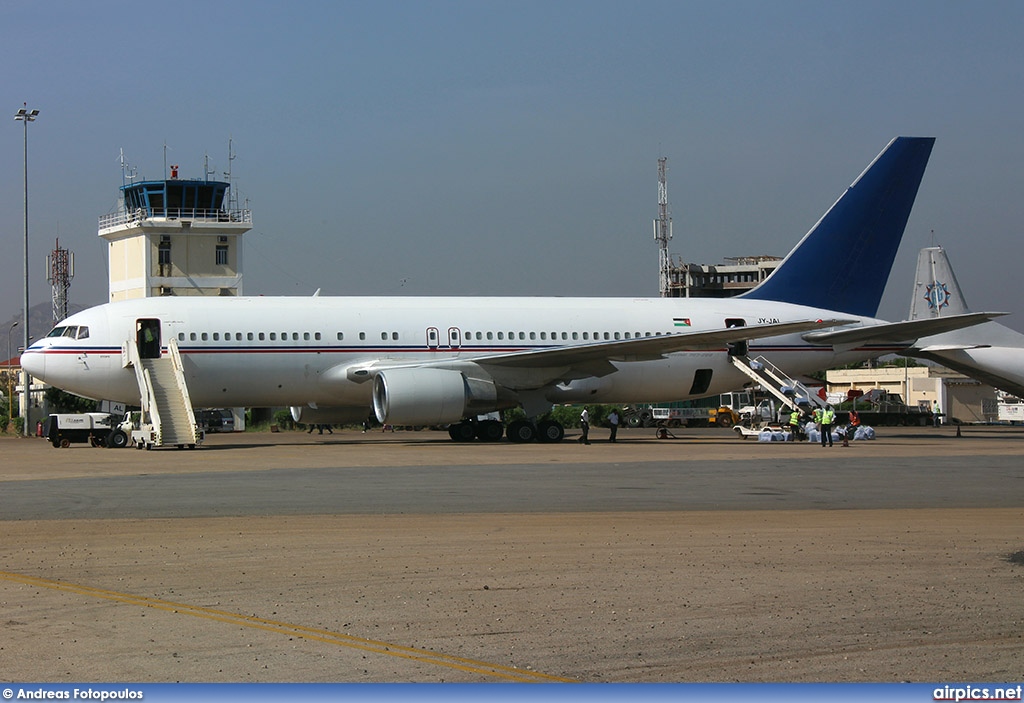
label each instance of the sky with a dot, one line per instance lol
(477, 147)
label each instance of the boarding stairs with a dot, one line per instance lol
(788, 390)
(164, 396)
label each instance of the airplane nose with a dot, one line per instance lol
(34, 362)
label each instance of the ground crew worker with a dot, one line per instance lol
(828, 415)
(794, 424)
(585, 426)
(854, 423)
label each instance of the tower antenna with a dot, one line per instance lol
(60, 269)
(663, 230)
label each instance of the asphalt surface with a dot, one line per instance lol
(909, 469)
(405, 557)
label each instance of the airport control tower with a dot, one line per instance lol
(175, 237)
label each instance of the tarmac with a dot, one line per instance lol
(405, 557)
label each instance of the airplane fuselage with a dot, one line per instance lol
(289, 351)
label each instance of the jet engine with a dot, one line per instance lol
(424, 396)
(338, 415)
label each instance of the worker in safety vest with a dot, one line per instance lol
(828, 416)
(794, 425)
(851, 430)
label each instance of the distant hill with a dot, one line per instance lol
(40, 321)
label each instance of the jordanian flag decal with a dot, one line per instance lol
(681, 321)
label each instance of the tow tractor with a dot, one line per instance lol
(98, 429)
(104, 430)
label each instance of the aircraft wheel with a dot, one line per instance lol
(489, 430)
(550, 431)
(462, 432)
(117, 439)
(521, 431)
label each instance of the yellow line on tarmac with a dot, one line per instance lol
(342, 640)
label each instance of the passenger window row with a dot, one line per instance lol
(557, 336)
(392, 336)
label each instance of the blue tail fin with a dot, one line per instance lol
(843, 263)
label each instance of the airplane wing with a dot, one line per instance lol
(931, 348)
(646, 348)
(980, 373)
(594, 359)
(891, 332)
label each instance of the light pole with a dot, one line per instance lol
(10, 406)
(25, 116)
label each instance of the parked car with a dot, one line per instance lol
(215, 420)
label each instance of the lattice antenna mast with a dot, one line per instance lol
(232, 195)
(60, 269)
(663, 230)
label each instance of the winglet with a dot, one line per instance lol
(843, 263)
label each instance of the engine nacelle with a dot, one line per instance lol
(328, 415)
(418, 396)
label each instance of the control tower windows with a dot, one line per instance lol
(164, 252)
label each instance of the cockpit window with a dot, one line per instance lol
(71, 332)
(83, 332)
(57, 332)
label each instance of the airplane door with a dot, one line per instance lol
(147, 338)
(737, 348)
(454, 337)
(432, 335)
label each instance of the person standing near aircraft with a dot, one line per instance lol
(613, 422)
(851, 430)
(828, 416)
(585, 426)
(794, 425)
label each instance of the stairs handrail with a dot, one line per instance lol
(784, 379)
(136, 363)
(179, 378)
(154, 412)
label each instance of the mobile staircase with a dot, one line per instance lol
(167, 417)
(788, 390)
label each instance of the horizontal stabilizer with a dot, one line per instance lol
(906, 331)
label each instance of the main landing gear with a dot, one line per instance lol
(518, 431)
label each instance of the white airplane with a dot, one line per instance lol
(990, 352)
(447, 360)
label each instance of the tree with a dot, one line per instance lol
(63, 402)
